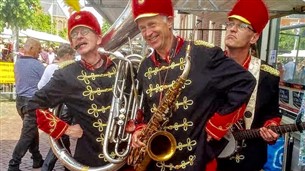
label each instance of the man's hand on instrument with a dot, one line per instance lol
(74, 131)
(135, 141)
(268, 135)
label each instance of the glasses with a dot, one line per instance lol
(241, 26)
(83, 31)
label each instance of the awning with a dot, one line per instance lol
(7, 33)
(43, 36)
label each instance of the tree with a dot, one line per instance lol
(17, 14)
(286, 40)
(42, 22)
(105, 26)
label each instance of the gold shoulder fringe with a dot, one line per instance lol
(270, 70)
(65, 63)
(204, 43)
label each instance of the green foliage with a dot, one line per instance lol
(64, 33)
(105, 26)
(288, 38)
(42, 22)
(17, 13)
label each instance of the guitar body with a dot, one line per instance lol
(230, 147)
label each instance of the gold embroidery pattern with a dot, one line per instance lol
(95, 111)
(203, 43)
(53, 120)
(182, 165)
(98, 91)
(154, 108)
(101, 141)
(158, 88)
(86, 78)
(184, 125)
(101, 156)
(101, 138)
(65, 63)
(99, 125)
(189, 144)
(228, 125)
(270, 70)
(237, 158)
(186, 83)
(150, 71)
(185, 103)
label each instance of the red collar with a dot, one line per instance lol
(176, 46)
(246, 62)
(91, 67)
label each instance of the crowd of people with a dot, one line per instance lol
(6, 50)
(212, 92)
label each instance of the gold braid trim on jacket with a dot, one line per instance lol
(270, 70)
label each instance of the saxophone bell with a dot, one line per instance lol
(161, 146)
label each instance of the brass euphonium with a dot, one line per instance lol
(160, 144)
(125, 103)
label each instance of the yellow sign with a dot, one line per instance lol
(7, 72)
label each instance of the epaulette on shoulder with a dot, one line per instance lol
(270, 70)
(65, 63)
(203, 43)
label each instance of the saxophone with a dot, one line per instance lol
(160, 144)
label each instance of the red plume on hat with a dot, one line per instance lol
(85, 19)
(253, 12)
(150, 8)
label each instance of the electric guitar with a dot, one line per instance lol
(236, 136)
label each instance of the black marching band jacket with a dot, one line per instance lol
(254, 155)
(216, 85)
(88, 95)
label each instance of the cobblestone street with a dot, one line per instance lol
(10, 128)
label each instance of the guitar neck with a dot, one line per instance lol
(254, 133)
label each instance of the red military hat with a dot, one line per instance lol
(85, 19)
(253, 12)
(150, 8)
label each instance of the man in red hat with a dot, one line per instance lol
(243, 29)
(85, 87)
(208, 92)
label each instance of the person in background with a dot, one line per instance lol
(65, 54)
(51, 55)
(43, 57)
(208, 101)
(28, 71)
(289, 68)
(280, 68)
(245, 24)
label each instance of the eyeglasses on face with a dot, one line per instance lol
(241, 26)
(82, 30)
